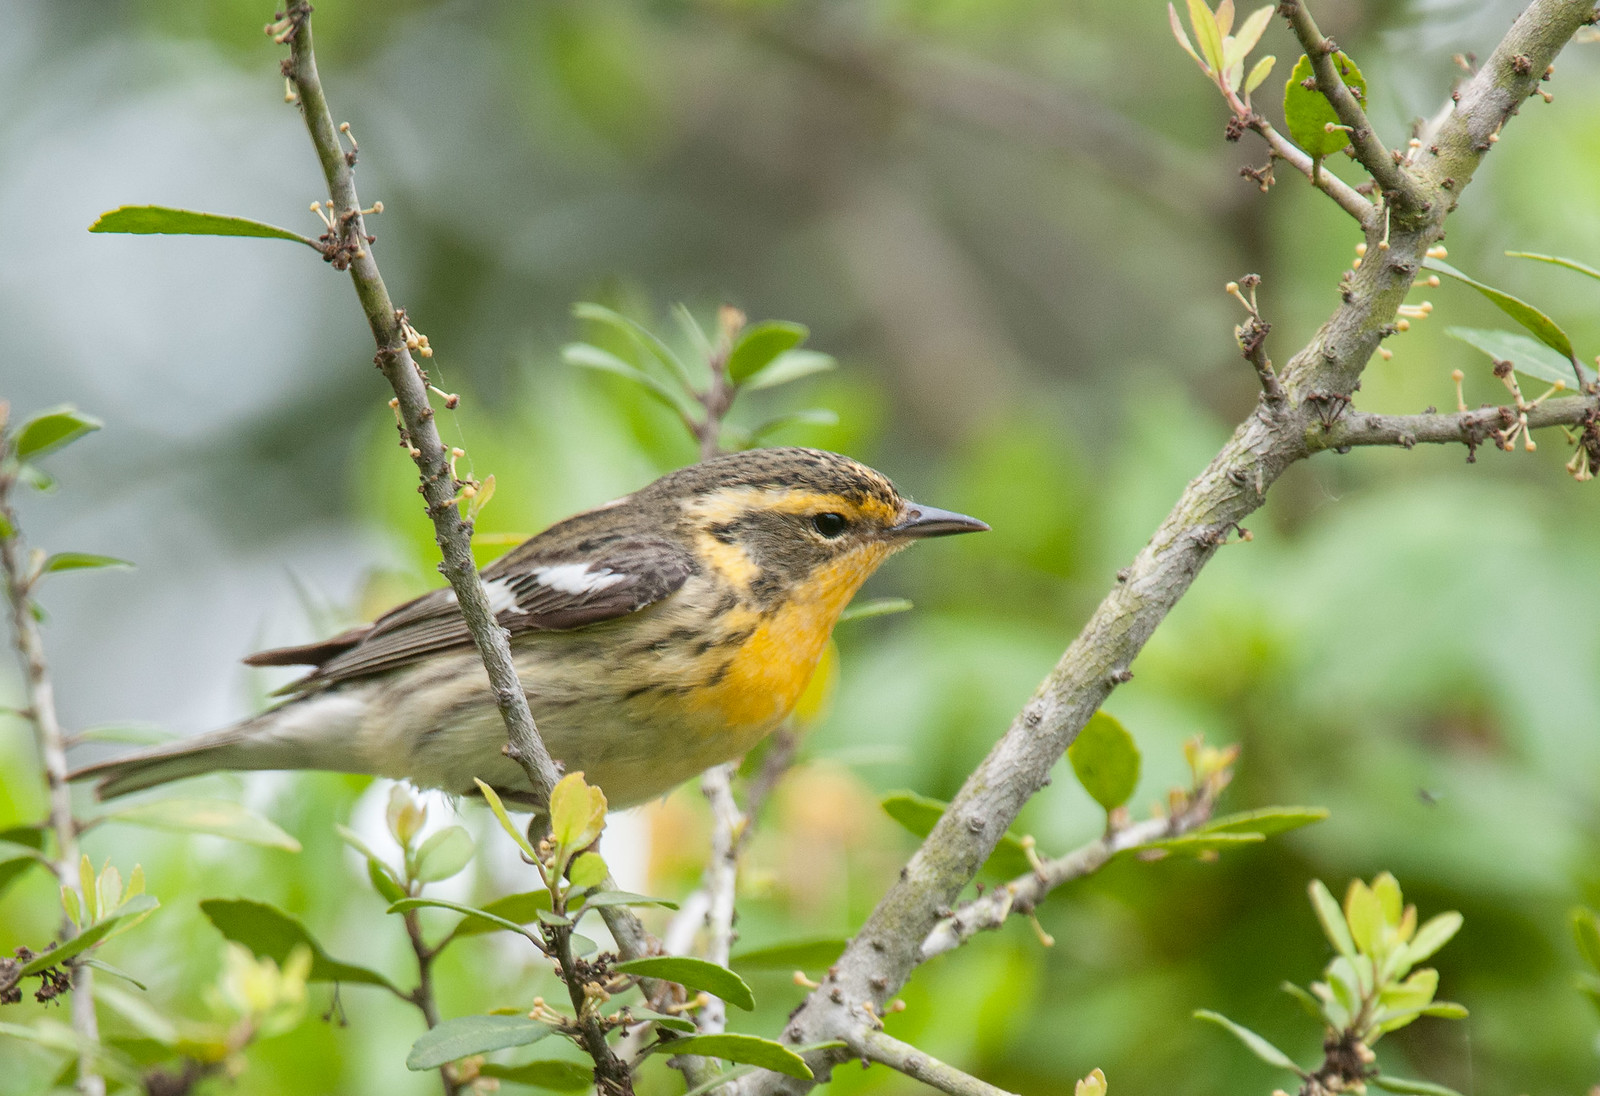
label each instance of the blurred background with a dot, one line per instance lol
(1012, 222)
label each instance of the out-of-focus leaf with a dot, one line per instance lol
(1178, 33)
(382, 882)
(1259, 73)
(1256, 1044)
(80, 561)
(1446, 1010)
(1249, 36)
(1526, 354)
(638, 333)
(662, 1019)
(1410, 1088)
(624, 898)
(218, 817)
(489, 920)
(1307, 111)
(14, 869)
(749, 1049)
(1586, 931)
(1193, 844)
(136, 909)
(919, 814)
(876, 607)
(588, 871)
(1558, 260)
(694, 974)
(555, 1074)
(1266, 820)
(115, 972)
(1312, 1006)
(163, 220)
(518, 909)
(493, 799)
(273, 934)
(1434, 934)
(1539, 325)
(1207, 36)
(137, 734)
(791, 365)
(1364, 914)
(50, 430)
(1332, 918)
(593, 357)
(759, 344)
(799, 955)
(815, 416)
(468, 1035)
(1106, 760)
(443, 854)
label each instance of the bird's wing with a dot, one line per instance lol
(528, 592)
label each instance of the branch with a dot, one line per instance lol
(1467, 427)
(887, 1050)
(1399, 188)
(423, 996)
(348, 245)
(882, 955)
(1346, 196)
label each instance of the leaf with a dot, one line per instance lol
(218, 817)
(1446, 1010)
(1332, 918)
(1206, 34)
(1410, 1088)
(1436, 932)
(491, 921)
(1106, 760)
(1570, 264)
(693, 973)
(270, 933)
(14, 869)
(468, 1035)
(1364, 914)
(760, 344)
(592, 357)
(1527, 355)
(749, 1049)
(1312, 1006)
(382, 882)
(80, 561)
(797, 955)
(518, 909)
(115, 972)
(51, 430)
(1585, 929)
(1266, 820)
(624, 898)
(790, 366)
(1250, 32)
(662, 1019)
(1307, 111)
(1192, 844)
(815, 416)
(1259, 73)
(136, 910)
(637, 332)
(876, 607)
(919, 814)
(692, 330)
(138, 734)
(162, 220)
(499, 809)
(1539, 325)
(577, 812)
(1183, 39)
(588, 871)
(555, 1073)
(443, 854)
(1257, 1045)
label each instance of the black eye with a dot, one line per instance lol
(829, 525)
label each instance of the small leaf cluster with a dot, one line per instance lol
(1222, 54)
(1371, 987)
(21, 449)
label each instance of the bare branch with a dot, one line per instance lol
(1346, 196)
(1467, 427)
(887, 1050)
(423, 996)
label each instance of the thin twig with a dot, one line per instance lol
(423, 996)
(1466, 427)
(1347, 197)
(878, 1047)
(19, 580)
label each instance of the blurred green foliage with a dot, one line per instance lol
(1011, 223)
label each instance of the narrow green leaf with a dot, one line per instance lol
(1446, 1010)
(1178, 33)
(50, 430)
(1193, 844)
(1364, 914)
(1307, 111)
(1527, 355)
(1256, 1044)
(161, 220)
(1410, 1088)
(1266, 820)
(115, 972)
(693, 973)
(1586, 931)
(14, 869)
(136, 910)
(759, 344)
(1312, 1006)
(444, 854)
(1259, 73)
(518, 909)
(32, 837)
(662, 1019)
(749, 1049)
(876, 607)
(81, 561)
(593, 357)
(789, 366)
(1436, 932)
(1570, 264)
(1250, 32)
(491, 921)
(1206, 34)
(493, 799)
(1332, 918)
(218, 817)
(556, 1074)
(919, 814)
(624, 898)
(1106, 760)
(815, 416)
(1539, 325)
(272, 934)
(641, 335)
(387, 886)
(353, 839)
(692, 330)
(468, 1035)
(798, 955)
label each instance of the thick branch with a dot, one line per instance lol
(887, 1050)
(1468, 427)
(1399, 188)
(882, 955)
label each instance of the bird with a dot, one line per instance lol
(656, 635)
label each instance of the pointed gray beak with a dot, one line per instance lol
(920, 521)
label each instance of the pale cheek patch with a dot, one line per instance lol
(576, 578)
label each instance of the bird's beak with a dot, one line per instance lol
(919, 521)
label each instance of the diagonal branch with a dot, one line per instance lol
(1347, 197)
(875, 1046)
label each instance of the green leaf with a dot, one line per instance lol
(1332, 918)
(1257, 1045)
(1446, 1010)
(815, 416)
(876, 607)
(493, 799)
(554, 1073)
(1539, 325)
(161, 220)
(1266, 820)
(662, 1019)
(1436, 932)
(790, 366)
(468, 1035)
(137, 734)
(1586, 931)
(1259, 73)
(14, 869)
(692, 330)
(1527, 355)
(490, 921)
(272, 934)
(588, 871)
(1364, 914)
(1307, 111)
(693, 973)
(641, 335)
(749, 1049)
(760, 344)
(1106, 760)
(919, 814)
(797, 955)
(1193, 844)
(592, 357)
(624, 898)
(1570, 264)
(135, 910)
(577, 813)
(443, 854)
(1312, 1006)
(115, 972)
(51, 430)
(218, 817)
(1206, 34)
(32, 837)
(384, 883)
(80, 561)
(518, 909)
(1410, 1088)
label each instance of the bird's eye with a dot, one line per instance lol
(829, 525)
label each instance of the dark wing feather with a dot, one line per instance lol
(532, 594)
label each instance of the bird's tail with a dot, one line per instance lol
(312, 732)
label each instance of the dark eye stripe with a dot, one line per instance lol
(829, 525)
